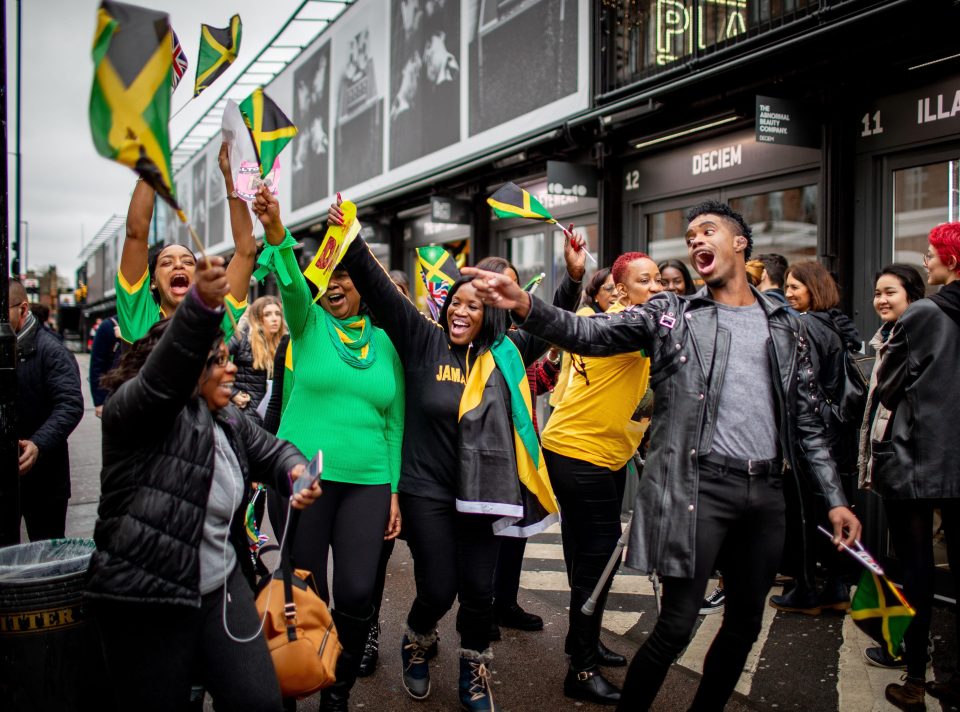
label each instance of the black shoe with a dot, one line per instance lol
(353, 632)
(371, 652)
(879, 657)
(799, 600)
(590, 686)
(713, 603)
(495, 636)
(835, 595)
(515, 617)
(608, 658)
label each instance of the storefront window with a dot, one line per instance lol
(923, 197)
(783, 222)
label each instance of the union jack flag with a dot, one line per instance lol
(179, 60)
(439, 271)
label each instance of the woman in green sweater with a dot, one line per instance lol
(348, 401)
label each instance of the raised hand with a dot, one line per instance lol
(267, 209)
(575, 254)
(211, 281)
(497, 290)
(335, 214)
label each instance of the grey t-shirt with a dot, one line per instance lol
(746, 415)
(217, 555)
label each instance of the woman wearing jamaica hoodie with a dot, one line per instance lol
(468, 443)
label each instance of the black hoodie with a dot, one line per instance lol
(948, 299)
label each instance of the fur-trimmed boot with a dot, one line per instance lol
(415, 652)
(474, 687)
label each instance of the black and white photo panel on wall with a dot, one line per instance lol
(359, 67)
(424, 77)
(216, 197)
(311, 114)
(523, 55)
(198, 206)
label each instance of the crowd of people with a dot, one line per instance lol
(730, 390)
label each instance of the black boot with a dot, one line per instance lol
(584, 680)
(415, 653)
(371, 651)
(474, 685)
(352, 632)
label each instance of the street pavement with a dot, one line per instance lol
(799, 662)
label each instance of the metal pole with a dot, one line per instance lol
(9, 452)
(23, 246)
(18, 262)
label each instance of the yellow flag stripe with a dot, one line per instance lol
(433, 270)
(127, 105)
(523, 211)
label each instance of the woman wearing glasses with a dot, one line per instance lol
(590, 438)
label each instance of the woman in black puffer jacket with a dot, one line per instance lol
(253, 351)
(166, 585)
(813, 293)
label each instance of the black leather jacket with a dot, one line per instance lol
(917, 380)
(686, 346)
(158, 453)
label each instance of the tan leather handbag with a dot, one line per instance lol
(299, 631)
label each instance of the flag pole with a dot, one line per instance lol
(570, 236)
(198, 245)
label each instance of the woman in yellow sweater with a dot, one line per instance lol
(587, 444)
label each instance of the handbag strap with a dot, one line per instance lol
(289, 607)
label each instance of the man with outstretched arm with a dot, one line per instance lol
(735, 396)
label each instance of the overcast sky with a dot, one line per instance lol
(69, 191)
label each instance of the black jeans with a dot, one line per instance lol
(454, 557)
(911, 529)
(590, 499)
(740, 522)
(46, 518)
(351, 520)
(154, 653)
(506, 580)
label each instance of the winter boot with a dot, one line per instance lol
(352, 632)
(908, 696)
(800, 599)
(371, 652)
(835, 595)
(474, 686)
(414, 654)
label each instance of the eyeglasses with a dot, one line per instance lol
(218, 359)
(929, 257)
(609, 288)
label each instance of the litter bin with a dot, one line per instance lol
(50, 656)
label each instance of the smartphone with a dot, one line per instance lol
(312, 475)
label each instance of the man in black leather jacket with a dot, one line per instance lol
(735, 395)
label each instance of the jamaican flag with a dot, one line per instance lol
(512, 201)
(439, 271)
(523, 497)
(880, 610)
(219, 47)
(269, 128)
(130, 99)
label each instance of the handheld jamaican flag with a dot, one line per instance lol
(881, 611)
(269, 128)
(878, 608)
(130, 99)
(439, 271)
(512, 201)
(219, 47)
(180, 63)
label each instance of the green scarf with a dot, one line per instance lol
(351, 338)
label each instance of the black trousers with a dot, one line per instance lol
(349, 519)
(911, 529)
(740, 523)
(590, 499)
(506, 580)
(45, 517)
(454, 557)
(154, 653)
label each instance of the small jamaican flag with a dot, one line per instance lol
(881, 611)
(439, 271)
(512, 201)
(219, 47)
(269, 127)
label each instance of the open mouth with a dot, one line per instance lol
(226, 386)
(179, 283)
(704, 262)
(459, 327)
(336, 299)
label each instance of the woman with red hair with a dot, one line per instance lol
(915, 466)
